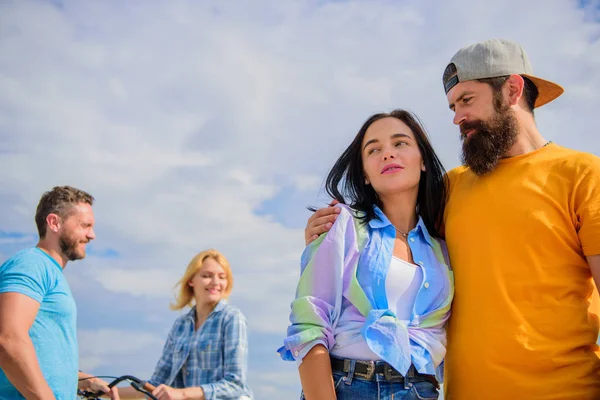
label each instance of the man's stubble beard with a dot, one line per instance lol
(68, 246)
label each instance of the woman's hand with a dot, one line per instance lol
(164, 392)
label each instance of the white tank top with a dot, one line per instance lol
(402, 284)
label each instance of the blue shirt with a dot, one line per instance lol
(349, 265)
(35, 274)
(215, 357)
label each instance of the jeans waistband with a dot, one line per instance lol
(369, 369)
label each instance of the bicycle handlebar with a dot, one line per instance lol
(135, 382)
(145, 385)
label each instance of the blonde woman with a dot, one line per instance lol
(205, 355)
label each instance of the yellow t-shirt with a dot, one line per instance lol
(522, 326)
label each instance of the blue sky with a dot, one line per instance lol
(213, 124)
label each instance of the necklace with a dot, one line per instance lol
(544, 145)
(401, 232)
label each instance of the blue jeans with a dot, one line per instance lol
(379, 389)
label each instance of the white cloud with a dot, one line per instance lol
(183, 118)
(304, 182)
(106, 347)
(102, 341)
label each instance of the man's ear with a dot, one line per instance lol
(514, 87)
(53, 222)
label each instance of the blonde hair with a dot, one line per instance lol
(185, 295)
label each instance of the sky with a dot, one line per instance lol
(211, 124)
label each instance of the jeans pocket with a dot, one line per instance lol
(424, 391)
(337, 381)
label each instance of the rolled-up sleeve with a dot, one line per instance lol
(319, 293)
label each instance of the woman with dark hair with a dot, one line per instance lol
(368, 320)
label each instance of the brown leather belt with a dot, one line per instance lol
(369, 369)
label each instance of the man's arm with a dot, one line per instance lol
(594, 263)
(87, 382)
(18, 359)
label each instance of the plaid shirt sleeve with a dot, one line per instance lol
(236, 360)
(164, 366)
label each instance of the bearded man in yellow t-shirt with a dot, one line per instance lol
(522, 226)
(523, 232)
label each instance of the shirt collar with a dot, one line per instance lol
(384, 222)
(51, 258)
(220, 305)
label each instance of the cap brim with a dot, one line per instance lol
(547, 90)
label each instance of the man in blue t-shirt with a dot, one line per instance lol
(38, 342)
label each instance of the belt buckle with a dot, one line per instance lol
(370, 369)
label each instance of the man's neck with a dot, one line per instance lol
(53, 252)
(529, 138)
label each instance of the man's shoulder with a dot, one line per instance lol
(576, 156)
(25, 253)
(457, 171)
(456, 174)
(29, 272)
(577, 161)
(29, 256)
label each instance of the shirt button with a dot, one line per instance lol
(426, 285)
(296, 353)
(412, 239)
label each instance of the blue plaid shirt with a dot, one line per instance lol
(215, 357)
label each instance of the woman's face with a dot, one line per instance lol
(392, 162)
(209, 283)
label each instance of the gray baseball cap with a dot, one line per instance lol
(494, 58)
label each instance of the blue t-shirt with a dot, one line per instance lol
(37, 275)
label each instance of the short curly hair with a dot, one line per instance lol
(60, 201)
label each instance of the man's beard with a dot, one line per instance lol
(69, 245)
(490, 141)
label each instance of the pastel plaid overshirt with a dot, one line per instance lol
(215, 357)
(351, 262)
